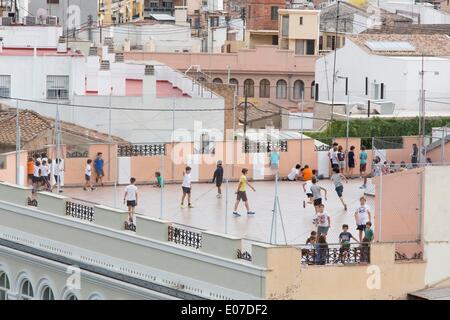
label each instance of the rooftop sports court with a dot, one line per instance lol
(209, 212)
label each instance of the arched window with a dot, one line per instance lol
(217, 80)
(281, 89)
(299, 90)
(264, 88)
(4, 286)
(235, 83)
(47, 293)
(71, 297)
(95, 296)
(249, 88)
(26, 290)
(313, 89)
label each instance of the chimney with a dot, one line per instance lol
(104, 65)
(119, 57)
(149, 84)
(62, 45)
(93, 51)
(180, 14)
(127, 45)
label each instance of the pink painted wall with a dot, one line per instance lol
(143, 168)
(436, 154)
(400, 207)
(9, 173)
(403, 154)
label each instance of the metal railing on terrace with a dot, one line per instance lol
(331, 254)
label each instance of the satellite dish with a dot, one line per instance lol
(41, 15)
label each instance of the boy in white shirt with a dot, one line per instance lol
(36, 176)
(44, 175)
(131, 199)
(186, 187)
(362, 216)
(323, 221)
(56, 171)
(295, 172)
(87, 175)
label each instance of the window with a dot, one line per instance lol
(235, 83)
(383, 91)
(310, 47)
(57, 87)
(299, 90)
(281, 89)
(5, 86)
(4, 286)
(196, 23)
(249, 88)
(301, 21)
(274, 40)
(331, 42)
(26, 291)
(214, 22)
(217, 80)
(300, 47)
(375, 91)
(313, 89)
(264, 88)
(47, 294)
(53, 1)
(274, 13)
(71, 297)
(167, 4)
(285, 26)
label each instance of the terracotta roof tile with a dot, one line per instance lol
(32, 124)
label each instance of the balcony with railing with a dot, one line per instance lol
(333, 254)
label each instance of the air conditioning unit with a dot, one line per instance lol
(52, 21)
(30, 21)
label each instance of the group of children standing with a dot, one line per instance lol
(318, 239)
(42, 172)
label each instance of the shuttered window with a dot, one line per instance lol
(5, 86)
(57, 87)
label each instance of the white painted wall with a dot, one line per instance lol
(154, 37)
(213, 5)
(399, 74)
(146, 126)
(436, 226)
(238, 25)
(428, 15)
(216, 39)
(294, 121)
(30, 36)
(29, 74)
(28, 81)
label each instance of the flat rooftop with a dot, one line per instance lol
(209, 212)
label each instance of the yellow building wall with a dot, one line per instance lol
(382, 279)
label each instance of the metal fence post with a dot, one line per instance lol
(162, 184)
(380, 203)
